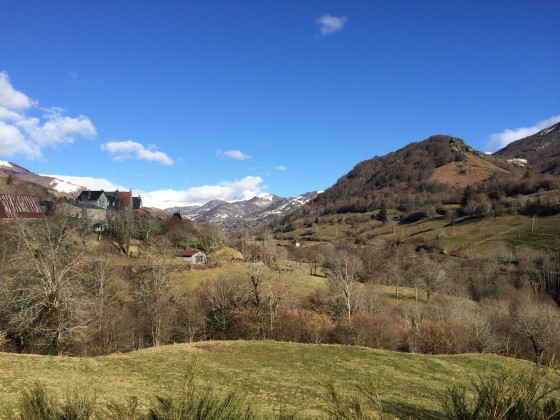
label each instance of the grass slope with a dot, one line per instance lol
(271, 375)
(465, 237)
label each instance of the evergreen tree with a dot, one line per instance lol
(382, 215)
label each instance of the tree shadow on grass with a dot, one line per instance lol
(403, 410)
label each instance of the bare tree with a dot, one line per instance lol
(110, 317)
(313, 255)
(146, 225)
(257, 274)
(220, 300)
(152, 292)
(44, 297)
(121, 227)
(342, 275)
(372, 264)
(395, 274)
(539, 322)
(477, 320)
(269, 286)
(430, 275)
(211, 237)
(190, 318)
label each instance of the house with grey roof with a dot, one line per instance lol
(96, 199)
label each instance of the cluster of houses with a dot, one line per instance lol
(113, 200)
(30, 207)
(96, 202)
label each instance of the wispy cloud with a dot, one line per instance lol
(502, 139)
(26, 129)
(129, 149)
(234, 154)
(280, 168)
(330, 24)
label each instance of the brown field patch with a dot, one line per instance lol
(469, 172)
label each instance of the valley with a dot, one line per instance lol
(420, 269)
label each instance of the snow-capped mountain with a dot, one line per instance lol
(52, 183)
(245, 213)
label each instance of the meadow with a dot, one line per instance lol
(274, 377)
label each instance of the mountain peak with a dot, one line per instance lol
(265, 196)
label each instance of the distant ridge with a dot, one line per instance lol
(541, 151)
(49, 182)
(244, 213)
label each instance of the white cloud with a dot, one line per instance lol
(242, 189)
(132, 150)
(330, 24)
(13, 142)
(26, 134)
(280, 168)
(501, 140)
(234, 154)
(11, 98)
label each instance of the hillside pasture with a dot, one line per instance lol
(272, 376)
(463, 237)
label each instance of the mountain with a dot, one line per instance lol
(425, 173)
(541, 151)
(48, 182)
(246, 213)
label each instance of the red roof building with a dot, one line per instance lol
(22, 206)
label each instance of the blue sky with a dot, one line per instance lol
(186, 101)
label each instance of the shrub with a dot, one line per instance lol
(435, 337)
(35, 403)
(363, 404)
(193, 402)
(506, 395)
(190, 402)
(304, 326)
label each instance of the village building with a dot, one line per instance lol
(93, 198)
(112, 200)
(20, 206)
(193, 256)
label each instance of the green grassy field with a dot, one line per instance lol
(272, 376)
(465, 237)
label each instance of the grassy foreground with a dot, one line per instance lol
(270, 375)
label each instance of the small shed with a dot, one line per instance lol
(193, 256)
(22, 206)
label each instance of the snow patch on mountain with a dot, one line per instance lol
(255, 211)
(549, 129)
(265, 196)
(64, 186)
(518, 161)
